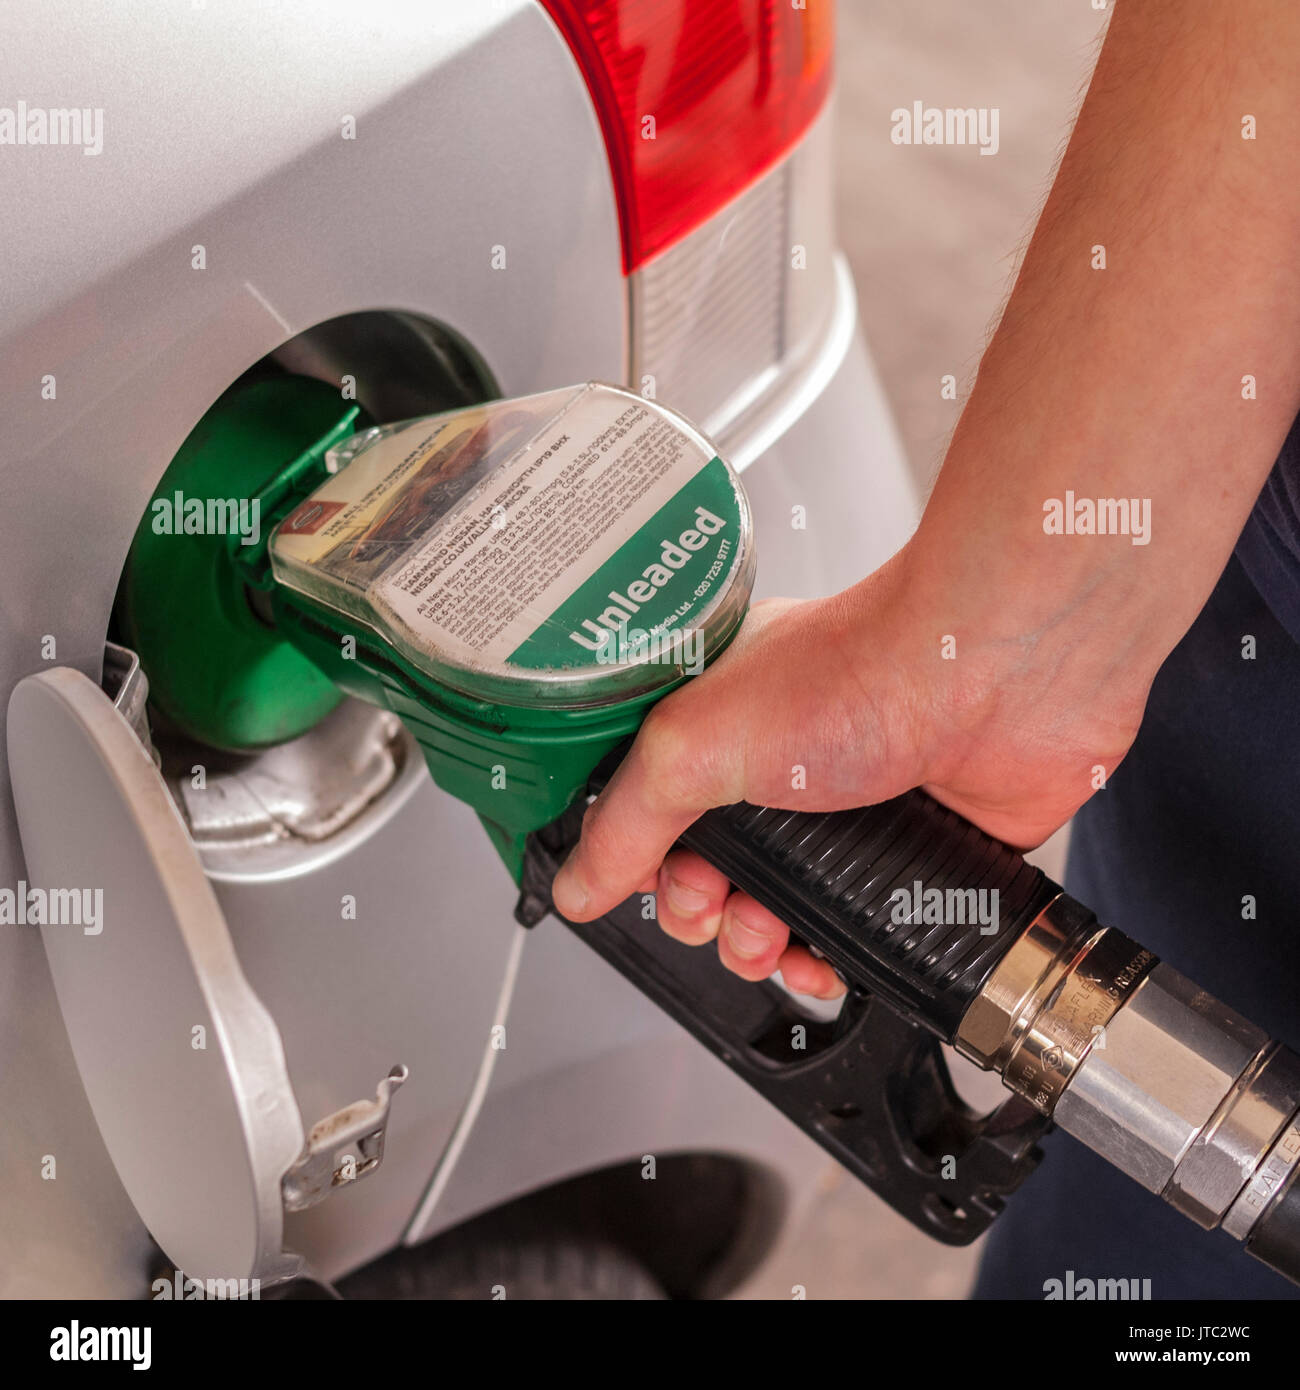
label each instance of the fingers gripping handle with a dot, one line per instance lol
(905, 899)
(871, 1085)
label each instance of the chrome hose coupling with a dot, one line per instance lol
(1158, 1077)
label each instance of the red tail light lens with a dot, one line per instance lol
(697, 98)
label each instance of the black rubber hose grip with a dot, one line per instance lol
(859, 886)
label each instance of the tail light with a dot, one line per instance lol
(696, 98)
(713, 119)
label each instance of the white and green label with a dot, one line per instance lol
(612, 519)
(652, 584)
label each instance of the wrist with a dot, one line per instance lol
(1010, 620)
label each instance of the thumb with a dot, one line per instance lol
(669, 778)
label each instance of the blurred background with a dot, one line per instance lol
(933, 234)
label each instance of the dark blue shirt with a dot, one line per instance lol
(1269, 548)
(1193, 848)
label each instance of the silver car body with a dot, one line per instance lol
(223, 128)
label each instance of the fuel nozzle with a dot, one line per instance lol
(1158, 1077)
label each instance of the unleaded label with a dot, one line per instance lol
(561, 531)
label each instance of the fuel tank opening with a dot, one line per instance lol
(219, 674)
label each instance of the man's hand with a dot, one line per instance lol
(831, 704)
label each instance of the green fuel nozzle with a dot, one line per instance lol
(518, 581)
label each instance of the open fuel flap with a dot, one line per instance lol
(183, 1065)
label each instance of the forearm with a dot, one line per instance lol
(1115, 383)
(1126, 382)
